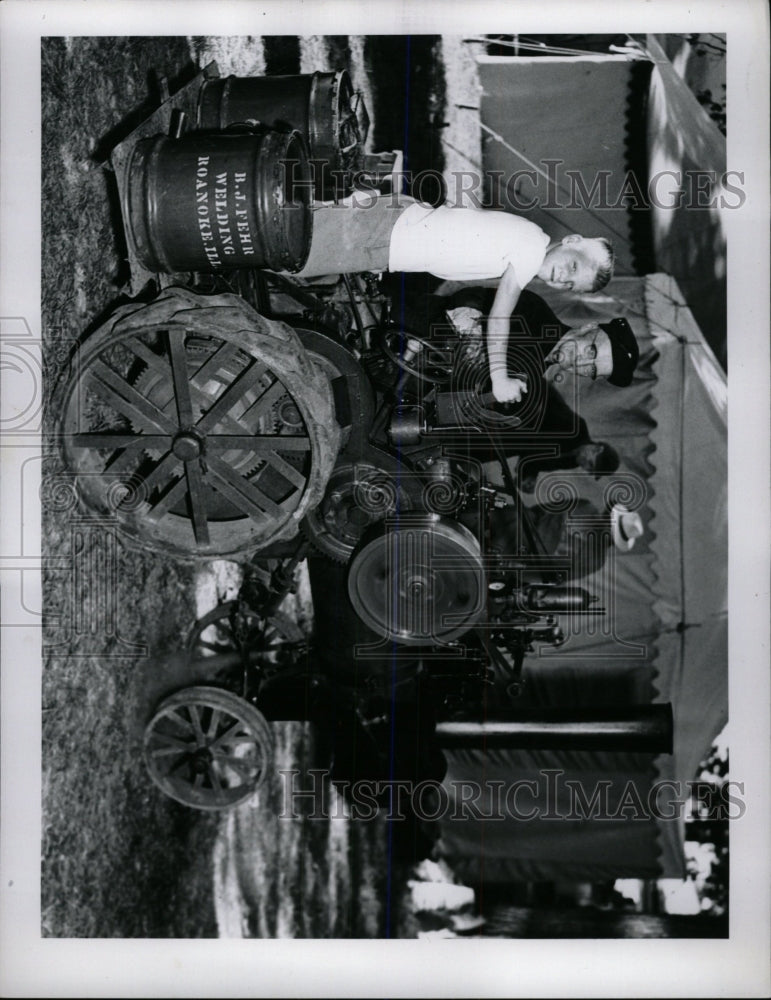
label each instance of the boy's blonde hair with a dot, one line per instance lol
(607, 261)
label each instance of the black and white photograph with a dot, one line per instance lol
(367, 581)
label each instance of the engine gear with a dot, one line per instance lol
(360, 493)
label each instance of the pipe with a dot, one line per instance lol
(637, 729)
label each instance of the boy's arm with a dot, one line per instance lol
(505, 389)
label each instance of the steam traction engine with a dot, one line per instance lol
(242, 413)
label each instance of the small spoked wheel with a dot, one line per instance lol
(208, 748)
(198, 424)
(232, 631)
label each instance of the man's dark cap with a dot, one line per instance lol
(626, 351)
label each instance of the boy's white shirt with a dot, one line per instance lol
(466, 244)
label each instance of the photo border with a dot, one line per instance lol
(737, 966)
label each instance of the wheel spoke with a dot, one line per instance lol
(179, 763)
(295, 477)
(264, 444)
(245, 495)
(219, 360)
(197, 501)
(214, 722)
(162, 505)
(170, 744)
(155, 362)
(169, 751)
(126, 400)
(176, 345)
(235, 391)
(215, 647)
(271, 395)
(228, 735)
(118, 441)
(174, 716)
(216, 783)
(195, 718)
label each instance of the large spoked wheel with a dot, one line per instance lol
(208, 748)
(203, 427)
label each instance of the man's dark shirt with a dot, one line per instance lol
(534, 330)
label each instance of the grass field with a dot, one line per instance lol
(118, 859)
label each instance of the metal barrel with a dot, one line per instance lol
(217, 202)
(637, 729)
(319, 105)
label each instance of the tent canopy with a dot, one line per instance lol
(664, 637)
(615, 146)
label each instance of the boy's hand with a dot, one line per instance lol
(508, 390)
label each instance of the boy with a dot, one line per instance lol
(370, 232)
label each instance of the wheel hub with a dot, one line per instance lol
(187, 445)
(418, 589)
(201, 760)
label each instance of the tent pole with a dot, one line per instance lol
(637, 729)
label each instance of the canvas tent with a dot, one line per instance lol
(665, 637)
(622, 117)
(550, 124)
(616, 145)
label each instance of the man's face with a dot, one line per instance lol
(585, 352)
(572, 265)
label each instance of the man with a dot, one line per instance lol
(540, 349)
(596, 350)
(373, 232)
